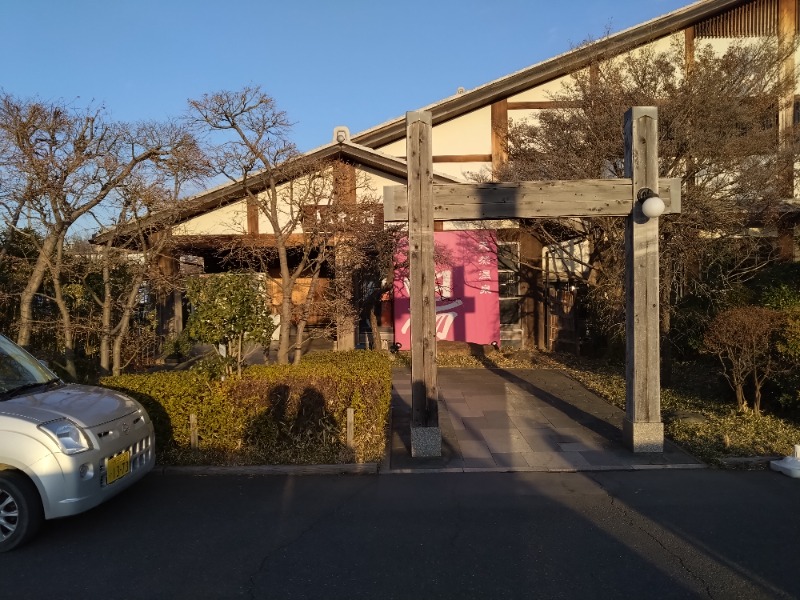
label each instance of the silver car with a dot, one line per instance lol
(63, 448)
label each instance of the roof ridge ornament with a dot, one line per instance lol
(341, 134)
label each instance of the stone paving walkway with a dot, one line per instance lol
(520, 420)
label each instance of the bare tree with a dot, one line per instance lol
(64, 162)
(718, 131)
(302, 199)
(744, 340)
(131, 244)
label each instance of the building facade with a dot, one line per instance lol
(534, 282)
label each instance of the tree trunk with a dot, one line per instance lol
(757, 382)
(741, 401)
(116, 350)
(298, 342)
(119, 333)
(377, 343)
(285, 329)
(32, 288)
(287, 285)
(118, 336)
(66, 319)
(105, 333)
(68, 331)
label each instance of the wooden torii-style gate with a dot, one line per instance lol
(421, 202)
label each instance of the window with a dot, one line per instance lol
(508, 282)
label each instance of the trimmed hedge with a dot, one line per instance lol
(272, 414)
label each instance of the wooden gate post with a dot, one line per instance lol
(421, 201)
(426, 437)
(642, 428)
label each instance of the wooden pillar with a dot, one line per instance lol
(532, 309)
(787, 31)
(426, 437)
(643, 430)
(170, 304)
(688, 47)
(252, 216)
(499, 135)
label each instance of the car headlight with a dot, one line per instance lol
(69, 436)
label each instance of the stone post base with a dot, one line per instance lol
(426, 442)
(641, 436)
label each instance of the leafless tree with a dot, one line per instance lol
(61, 163)
(145, 207)
(718, 132)
(744, 340)
(307, 203)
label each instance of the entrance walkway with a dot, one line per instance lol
(520, 420)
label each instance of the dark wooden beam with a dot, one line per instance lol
(252, 217)
(688, 41)
(499, 134)
(787, 31)
(462, 158)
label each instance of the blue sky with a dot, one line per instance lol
(326, 62)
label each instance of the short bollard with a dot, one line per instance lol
(350, 427)
(193, 436)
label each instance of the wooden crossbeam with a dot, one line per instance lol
(530, 199)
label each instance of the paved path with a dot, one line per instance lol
(520, 420)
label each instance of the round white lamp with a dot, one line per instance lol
(652, 205)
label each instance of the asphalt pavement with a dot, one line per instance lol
(634, 534)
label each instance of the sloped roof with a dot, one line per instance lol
(228, 193)
(360, 148)
(553, 68)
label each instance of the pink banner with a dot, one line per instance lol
(467, 300)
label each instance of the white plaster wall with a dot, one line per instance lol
(468, 134)
(721, 45)
(525, 116)
(287, 206)
(231, 219)
(666, 45)
(462, 170)
(486, 224)
(397, 148)
(543, 92)
(375, 181)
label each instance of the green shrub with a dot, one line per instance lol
(169, 398)
(286, 403)
(272, 414)
(779, 289)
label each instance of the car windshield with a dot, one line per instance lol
(19, 370)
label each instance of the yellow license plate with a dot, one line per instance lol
(118, 466)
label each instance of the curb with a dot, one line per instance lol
(590, 469)
(253, 470)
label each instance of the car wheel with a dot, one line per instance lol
(20, 510)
